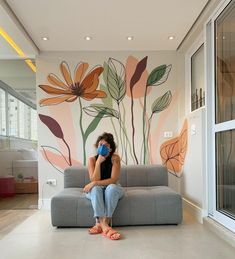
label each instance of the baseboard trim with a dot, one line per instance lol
(44, 204)
(194, 210)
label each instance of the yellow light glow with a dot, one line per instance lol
(18, 50)
(30, 64)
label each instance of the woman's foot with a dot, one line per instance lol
(111, 234)
(95, 229)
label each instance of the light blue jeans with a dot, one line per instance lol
(104, 199)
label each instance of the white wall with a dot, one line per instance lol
(193, 183)
(194, 168)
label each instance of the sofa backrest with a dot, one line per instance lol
(131, 175)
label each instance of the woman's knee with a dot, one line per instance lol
(96, 190)
(111, 188)
(114, 189)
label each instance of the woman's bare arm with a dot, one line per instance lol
(94, 167)
(94, 172)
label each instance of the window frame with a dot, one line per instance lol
(212, 128)
(199, 42)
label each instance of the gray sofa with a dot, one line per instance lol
(147, 200)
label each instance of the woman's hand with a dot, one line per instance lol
(100, 159)
(89, 186)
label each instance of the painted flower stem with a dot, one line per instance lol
(144, 122)
(133, 127)
(115, 131)
(70, 162)
(124, 132)
(120, 130)
(128, 142)
(150, 120)
(83, 134)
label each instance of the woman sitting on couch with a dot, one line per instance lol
(104, 191)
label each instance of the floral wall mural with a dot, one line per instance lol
(173, 152)
(127, 96)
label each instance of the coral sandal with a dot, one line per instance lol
(95, 230)
(110, 233)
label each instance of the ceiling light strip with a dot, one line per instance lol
(30, 63)
(18, 50)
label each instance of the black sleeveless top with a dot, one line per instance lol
(105, 168)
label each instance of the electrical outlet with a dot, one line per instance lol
(168, 134)
(51, 182)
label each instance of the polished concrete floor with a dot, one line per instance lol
(10, 219)
(35, 238)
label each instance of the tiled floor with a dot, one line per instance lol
(35, 238)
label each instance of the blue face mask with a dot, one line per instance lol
(103, 150)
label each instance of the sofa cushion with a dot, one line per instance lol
(139, 206)
(148, 205)
(71, 208)
(141, 175)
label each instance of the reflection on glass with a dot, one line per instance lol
(34, 124)
(13, 116)
(2, 112)
(24, 120)
(17, 100)
(197, 79)
(225, 64)
(225, 172)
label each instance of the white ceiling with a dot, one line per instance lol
(108, 22)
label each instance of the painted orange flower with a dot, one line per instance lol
(70, 90)
(173, 151)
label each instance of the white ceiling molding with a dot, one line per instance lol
(10, 23)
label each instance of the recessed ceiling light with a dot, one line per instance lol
(171, 37)
(45, 38)
(88, 38)
(130, 37)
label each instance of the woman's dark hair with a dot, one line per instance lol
(108, 137)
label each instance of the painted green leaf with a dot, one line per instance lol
(93, 125)
(116, 75)
(100, 110)
(107, 101)
(162, 102)
(105, 72)
(159, 75)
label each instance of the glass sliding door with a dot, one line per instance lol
(224, 115)
(225, 172)
(225, 65)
